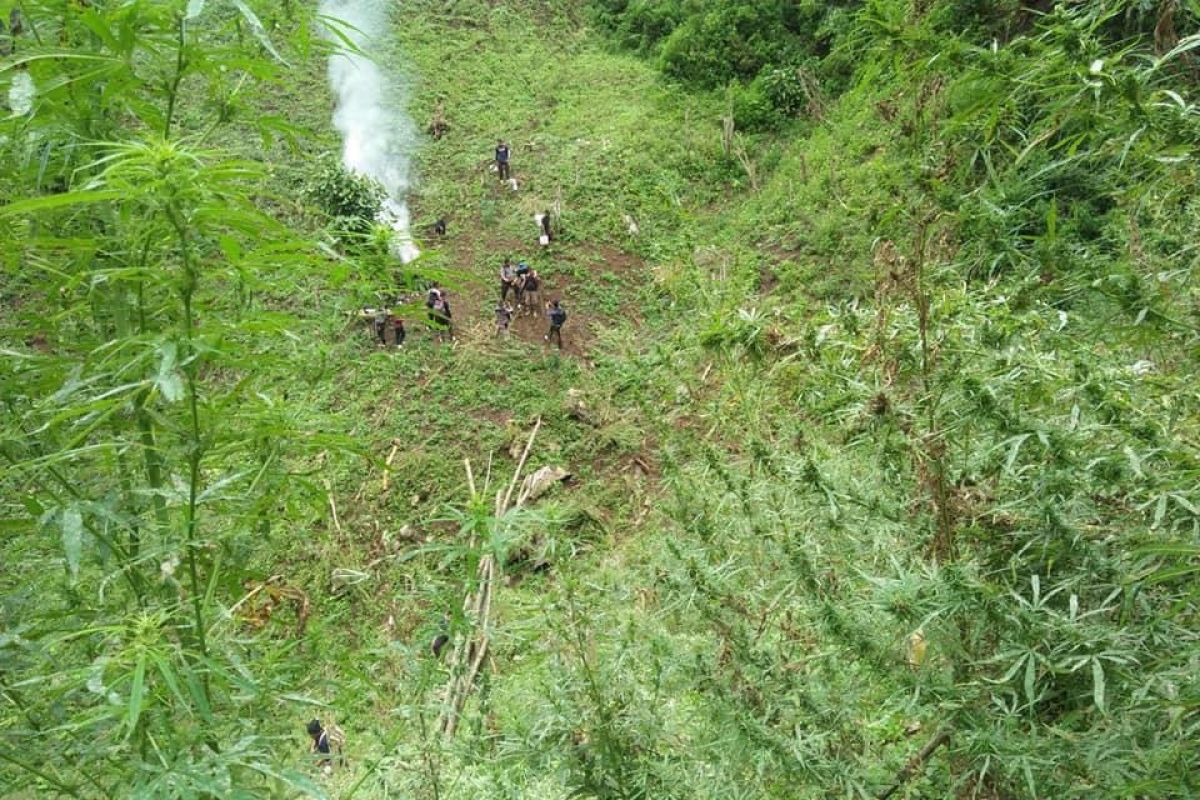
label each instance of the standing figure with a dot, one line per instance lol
(502, 159)
(441, 318)
(380, 326)
(433, 297)
(399, 333)
(532, 291)
(519, 285)
(543, 221)
(557, 316)
(439, 227)
(508, 279)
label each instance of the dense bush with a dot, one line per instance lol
(759, 45)
(352, 201)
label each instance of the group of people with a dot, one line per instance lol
(523, 283)
(385, 321)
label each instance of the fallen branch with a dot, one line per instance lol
(916, 762)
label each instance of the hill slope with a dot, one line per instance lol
(882, 426)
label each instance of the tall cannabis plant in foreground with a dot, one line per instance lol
(142, 446)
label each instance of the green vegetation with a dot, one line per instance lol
(879, 400)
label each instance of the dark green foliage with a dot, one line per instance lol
(721, 41)
(761, 46)
(351, 201)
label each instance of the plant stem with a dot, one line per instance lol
(70, 791)
(194, 450)
(180, 68)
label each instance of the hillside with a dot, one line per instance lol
(877, 397)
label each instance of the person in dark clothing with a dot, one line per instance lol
(320, 746)
(544, 223)
(502, 159)
(439, 228)
(440, 318)
(380, 326)
(557, 316)
(531, 291)
(433, 298)
(519, 285)
(508, 279)
(398, 330)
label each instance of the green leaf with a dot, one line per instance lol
(58, 201)
(72, 538)
(231, 249)
(137, 690)
(1031, 679)
(196, 690)
(168, 379)
(299, 698)
(1160, 511)
(1187, 44)
(168, 675)
(259, 31)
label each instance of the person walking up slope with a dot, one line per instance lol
(502, 159)
(557, 316)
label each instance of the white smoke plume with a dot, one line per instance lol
(377, 134)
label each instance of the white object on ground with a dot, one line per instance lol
(540, 482)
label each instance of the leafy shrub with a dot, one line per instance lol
(727, 41)
(352, 201)
(751, 107)
(640, 24)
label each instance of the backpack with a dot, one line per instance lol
(558, 316)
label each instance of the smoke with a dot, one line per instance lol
(377, 136)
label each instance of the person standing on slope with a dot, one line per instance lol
(379, 324)
(532, 291)
(502, 159)
(557, 316)
(508, 279)
(519, 285)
